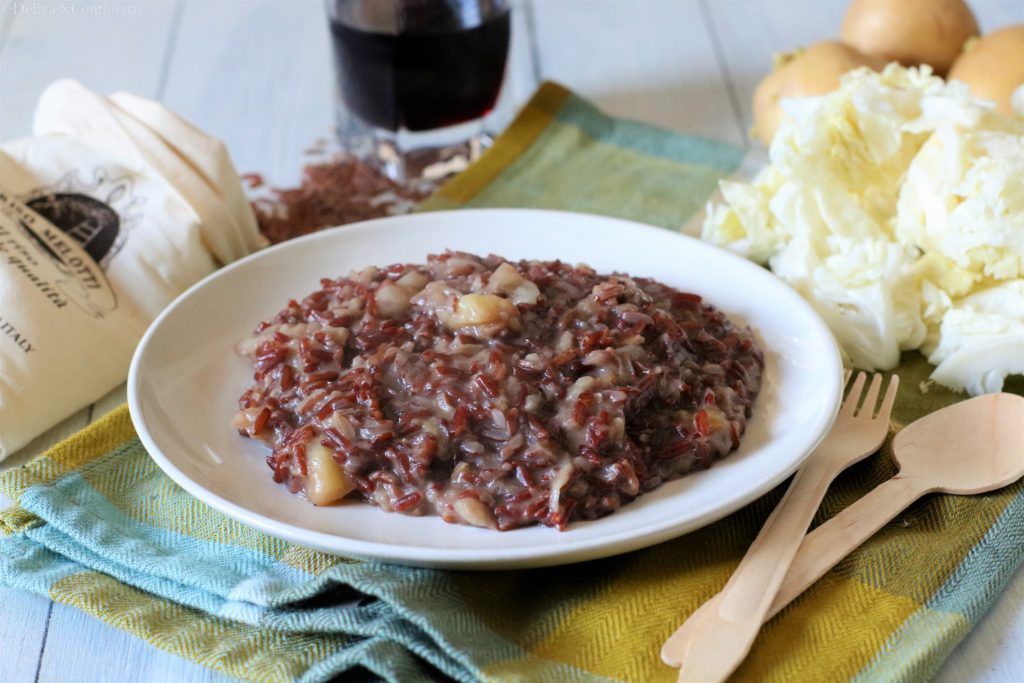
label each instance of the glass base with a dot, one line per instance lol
(407, 156)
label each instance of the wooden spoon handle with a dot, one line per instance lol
(724, 635)
(821, 550)
(824, 547)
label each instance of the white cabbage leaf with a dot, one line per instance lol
(888, 204)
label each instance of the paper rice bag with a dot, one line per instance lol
(113, 208)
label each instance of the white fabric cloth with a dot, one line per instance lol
(114, 207)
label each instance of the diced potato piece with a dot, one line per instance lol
(366, 275)
(338, 334)
(480, 309)
(462, 265)
(249, 345)
(327, 482)
(392, 300)
(435, 297)
(506, 280)
(242, 421)
(474, 512)
(395, 297)
(412, 282)
(246, 421)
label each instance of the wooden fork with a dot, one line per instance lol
(717, 637)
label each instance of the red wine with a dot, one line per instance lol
(425, 73)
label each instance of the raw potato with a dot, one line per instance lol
(993, 66)
(805, 73)
(911, 32)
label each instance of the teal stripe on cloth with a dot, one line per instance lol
(83, 531)
(584, 160)
(378, 655)
(376, 619)
(75, 508)
(31, 567)
(541, 178)
(648, 140)
(988, 568)
(918, 648)
(27, 564)
(338, 614)
(430, 600)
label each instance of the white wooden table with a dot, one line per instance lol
(257, 73)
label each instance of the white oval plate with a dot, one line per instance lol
(185, 380)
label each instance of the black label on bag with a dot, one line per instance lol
(53, 260)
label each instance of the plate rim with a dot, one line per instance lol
(471, 558)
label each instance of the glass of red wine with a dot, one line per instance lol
(416, 79)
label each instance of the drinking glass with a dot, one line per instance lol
(415, 79)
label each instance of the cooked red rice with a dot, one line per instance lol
(494, 393)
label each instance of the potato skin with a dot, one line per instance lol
(813, 71)
(993, 66)
(911, 32)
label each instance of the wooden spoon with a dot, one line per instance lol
(726, 633)
(972, 447)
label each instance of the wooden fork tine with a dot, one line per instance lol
(890, 398)
(871, 399)
(846, 376)
(853, 397)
